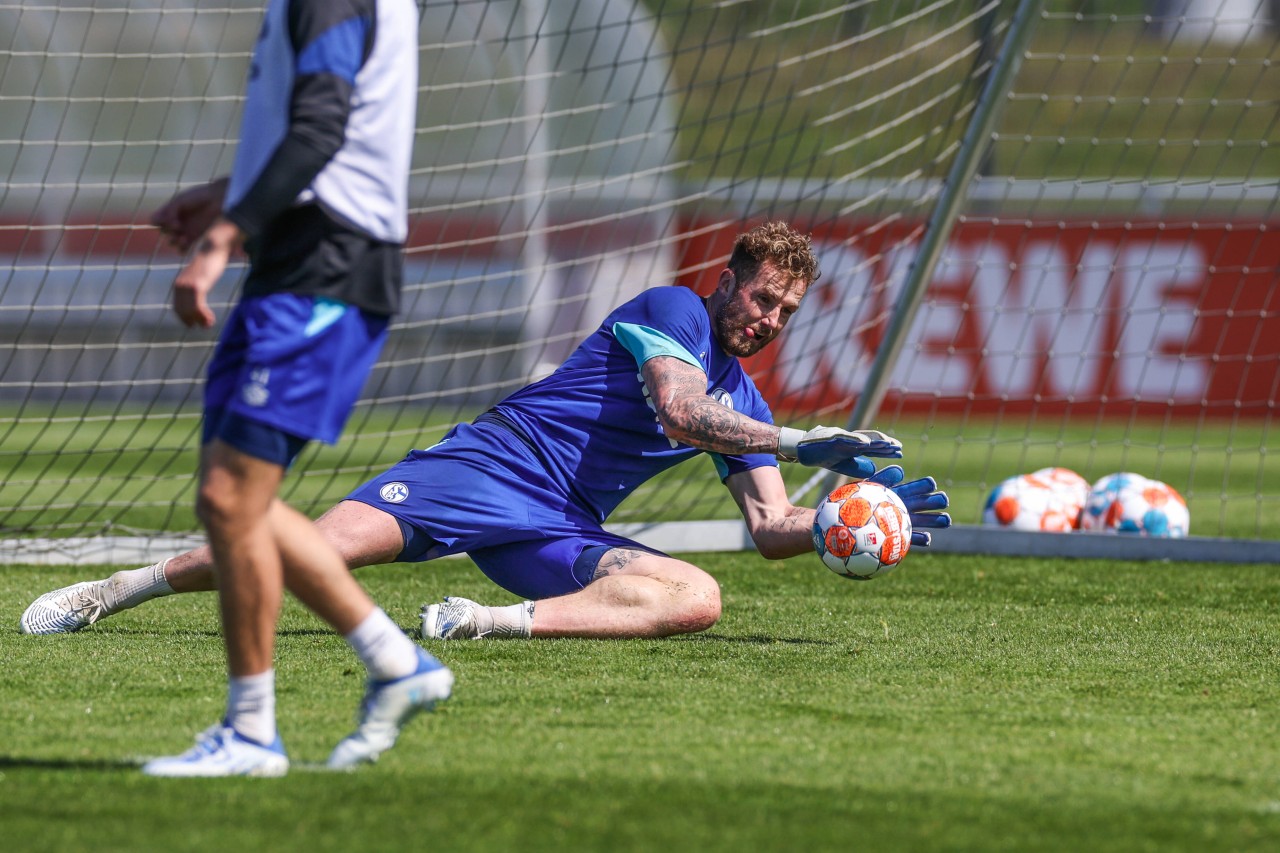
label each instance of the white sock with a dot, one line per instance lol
(514, 621)
(251, 706)
(132, 587)
(385, 650)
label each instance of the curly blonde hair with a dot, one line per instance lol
(778, 243)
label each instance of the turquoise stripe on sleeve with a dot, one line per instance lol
(644, 343)
(324, 313)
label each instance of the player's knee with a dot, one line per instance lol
(700, 606)
(217, 507)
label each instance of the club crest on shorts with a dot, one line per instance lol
(254, 392)
(394, 493)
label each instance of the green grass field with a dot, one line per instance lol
(954, 705)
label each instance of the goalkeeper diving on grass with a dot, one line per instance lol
(524, 490)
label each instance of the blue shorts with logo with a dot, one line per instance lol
(289, 364)
(482, 491)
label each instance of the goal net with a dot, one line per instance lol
(1104, 297)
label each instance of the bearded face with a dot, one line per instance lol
(751, 313)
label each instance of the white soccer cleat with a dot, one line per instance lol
(387, 706)
(220, 751)
(65, 610)
(452, 619)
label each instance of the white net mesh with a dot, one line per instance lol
(1106, 301)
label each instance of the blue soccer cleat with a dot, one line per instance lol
(387, 706)
(221, 751)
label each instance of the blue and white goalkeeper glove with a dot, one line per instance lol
(923, 501)
(837, 449)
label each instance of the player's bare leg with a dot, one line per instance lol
(315, 571)
(403, 679)
(632, 594)
(363, 536)
(236, 495)
(233, 502)
(260, 545)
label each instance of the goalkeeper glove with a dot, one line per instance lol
(923, 501)
(837, 449)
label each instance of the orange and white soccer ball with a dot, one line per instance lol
(862, 530)
(1131, 503)
(1071, 488)
(1050, 499)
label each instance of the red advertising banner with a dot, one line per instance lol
(1076, 317)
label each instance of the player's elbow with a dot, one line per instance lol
(780, 542)
(676, 424)
(769, 549)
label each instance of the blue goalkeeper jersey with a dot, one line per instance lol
(592, 423)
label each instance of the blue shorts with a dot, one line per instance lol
(290, 364)
(483, 492)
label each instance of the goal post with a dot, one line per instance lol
(1104, 297)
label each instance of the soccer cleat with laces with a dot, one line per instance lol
(387, 706)
(65, 610)
(452, 619)
(221, 751)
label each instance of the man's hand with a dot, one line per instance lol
(204, 268)
(837, 449)
(923, 501)
(186, 216)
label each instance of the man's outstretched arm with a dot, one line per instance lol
(678, 390)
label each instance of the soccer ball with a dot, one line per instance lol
(862, 530)
(1071, 488)
(1131, 503)
(1034, 502)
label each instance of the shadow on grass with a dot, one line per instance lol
(20, 762)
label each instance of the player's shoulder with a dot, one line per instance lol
(664, 304)
(667, 294)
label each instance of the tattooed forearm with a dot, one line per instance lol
(713, 424)
(797, 520)
(688, 415)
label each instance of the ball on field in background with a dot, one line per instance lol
(1029, 502)
(862, 530)
(1102, 508)
(1133, 504)
(1071, 488)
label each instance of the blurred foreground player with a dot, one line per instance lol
(317, 196)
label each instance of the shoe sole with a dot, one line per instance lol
(263, 771)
